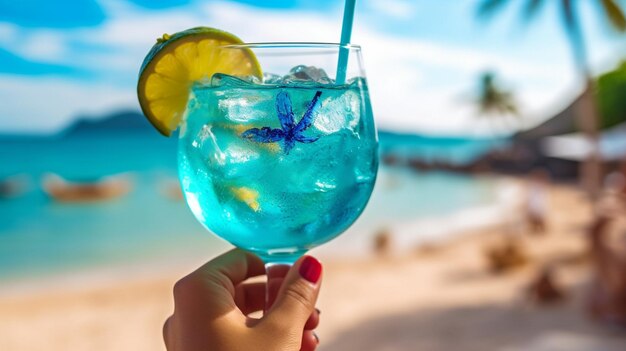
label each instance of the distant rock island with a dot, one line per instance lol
(121, 121)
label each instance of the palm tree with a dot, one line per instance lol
(589, 118)
(493, 101)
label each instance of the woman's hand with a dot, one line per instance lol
(212, 306)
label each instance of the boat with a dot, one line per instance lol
(171, 189)
(106, 188)
(14, 186)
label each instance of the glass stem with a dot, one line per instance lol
(275, 273)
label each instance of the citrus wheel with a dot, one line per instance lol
(176, 61)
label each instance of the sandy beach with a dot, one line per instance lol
(437, 297)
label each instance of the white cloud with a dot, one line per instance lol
(405, 94)
(402, 102)
(397, 9)
(8, 32)
(32, 44)
(47, 104)
(43, 47)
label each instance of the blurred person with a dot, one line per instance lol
(506, 255)
(537, 201)
(213, 304)
(544, 289)
(511, 200)
(615, 182)
(607, 298)
(613, 194)
(382, 243)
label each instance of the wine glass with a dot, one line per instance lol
(280, 165)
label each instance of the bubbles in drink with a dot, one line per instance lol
(277, 189)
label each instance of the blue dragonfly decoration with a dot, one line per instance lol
(290, 132)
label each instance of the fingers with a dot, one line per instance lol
(236, 265)
(209, 291)
(167, 329)
(250, 297)
(297, 297)
(313, 321)
(275, 276)
(309, 341)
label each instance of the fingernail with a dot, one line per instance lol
(317, 338)
(311, 269)
(318, 311)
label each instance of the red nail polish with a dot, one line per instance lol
(311, 269)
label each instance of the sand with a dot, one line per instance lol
(439, 297)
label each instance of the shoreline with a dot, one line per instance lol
(351, 245)
(410, 234)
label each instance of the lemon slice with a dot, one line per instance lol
(177, 61)
(249, 196)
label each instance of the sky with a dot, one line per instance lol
(423, 58)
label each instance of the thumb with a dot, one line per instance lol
(297, 297)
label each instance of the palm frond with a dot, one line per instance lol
(573, 32)
(568, 15)
(492, 100)
(615, 14)
(531, 9)
(488, 8)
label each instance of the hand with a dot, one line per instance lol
(212, 306)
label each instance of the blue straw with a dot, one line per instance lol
(346, 33)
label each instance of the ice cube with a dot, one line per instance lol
(224, 153)
(271, 78)
(307, 73)
(225, 80)
(245, 108)
(355, 81)
(250, 79)
(206, 144)
(336, 113)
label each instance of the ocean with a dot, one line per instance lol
(42, 238)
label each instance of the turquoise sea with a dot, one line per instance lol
(40, 237)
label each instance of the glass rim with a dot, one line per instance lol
(289, 45)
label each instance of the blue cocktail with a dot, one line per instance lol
(280, 166)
